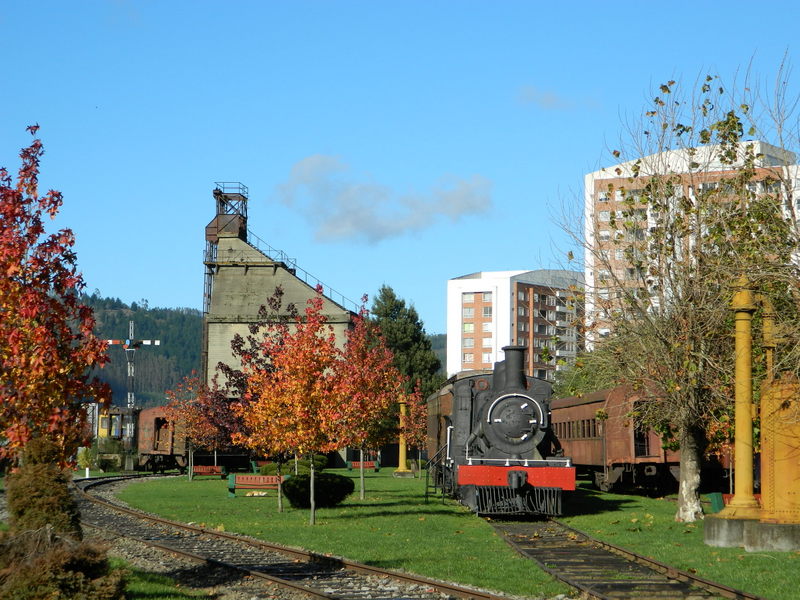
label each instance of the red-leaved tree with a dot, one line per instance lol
(292, 405)
(204, 413)
(47, 348)
(414, 426)
(369, 384)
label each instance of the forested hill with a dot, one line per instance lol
(157, 368)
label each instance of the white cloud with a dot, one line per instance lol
(547, 100)
(324, 190)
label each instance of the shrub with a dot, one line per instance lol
(108, 463)
(39, 564)
(87, 457)
(109, 446)
(38, 493)
(329, 490)
(303, 466)
(272, 469)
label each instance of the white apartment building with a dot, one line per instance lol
(605, 266)
(489, 310)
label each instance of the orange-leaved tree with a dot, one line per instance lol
(293, 405)
(414, 425)
(204, 413)
(369, 384)
(47, 348)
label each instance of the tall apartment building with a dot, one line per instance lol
(608, 195)
(489, 310)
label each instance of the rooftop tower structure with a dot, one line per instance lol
(242, 272)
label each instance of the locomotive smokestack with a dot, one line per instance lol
(515, 367)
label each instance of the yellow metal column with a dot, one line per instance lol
(743, 505)
(402, 470)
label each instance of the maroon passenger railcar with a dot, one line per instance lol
(600, 435)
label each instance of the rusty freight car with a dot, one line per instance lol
(161, 446)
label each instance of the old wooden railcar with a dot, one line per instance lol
(161, 443)
(599, 433)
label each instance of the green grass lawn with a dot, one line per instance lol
(393, 528)
(142, 585)
(647, 526)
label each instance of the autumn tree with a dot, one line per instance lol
(369, 384)
(415, 424)
(697, 201)
(293, 405)
(47, 347)
(204, 413)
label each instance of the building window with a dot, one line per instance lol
(486, 326)
(487, 296)
(467, 298)
(604, 235)
(604, 215)
(468, 312)
(522, 295)
(487, 357)
(541, 374)
(468, 342)
(469, 327)
(468, 357)
(522, 311)
(487, 312)
(487, 342)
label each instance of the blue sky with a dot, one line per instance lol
(399, 143)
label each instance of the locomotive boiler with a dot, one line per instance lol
(490, 441)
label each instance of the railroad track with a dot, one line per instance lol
(304, 574)
(605, 571)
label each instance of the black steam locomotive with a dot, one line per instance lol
(491, 444)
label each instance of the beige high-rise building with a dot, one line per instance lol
(610, 198)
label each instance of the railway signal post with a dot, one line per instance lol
(131, 345)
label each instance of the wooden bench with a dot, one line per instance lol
(368, 464)
(255, 465)
(209, 470)
(238, 481)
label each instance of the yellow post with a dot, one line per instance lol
(743, 505)
(768, 334)
(402, 470)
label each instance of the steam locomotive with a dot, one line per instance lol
(491, 445)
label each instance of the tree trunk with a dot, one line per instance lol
(191, 462)
(692, 447)
(361, 473)
(312, 516)
(280, 488)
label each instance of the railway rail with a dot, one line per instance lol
(306, 574)
(604, 571)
